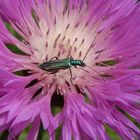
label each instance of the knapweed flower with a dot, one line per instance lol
(87, 52)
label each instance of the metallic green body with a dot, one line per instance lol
(56, 65)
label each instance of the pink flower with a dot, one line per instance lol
(86, 52)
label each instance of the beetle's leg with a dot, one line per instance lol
(70, 76)
(53, 58)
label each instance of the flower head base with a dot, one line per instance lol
(75, 48)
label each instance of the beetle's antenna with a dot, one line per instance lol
(86, 53)
(94, 71)
(91, 46)
(71, 76)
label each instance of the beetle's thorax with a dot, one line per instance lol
(77, 63)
